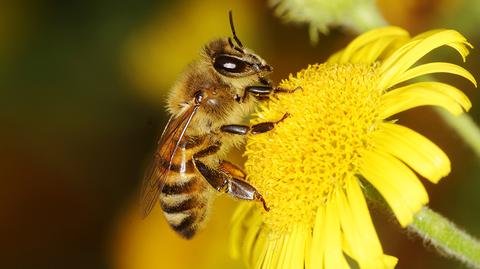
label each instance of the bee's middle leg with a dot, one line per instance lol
(254, 129)
(227, 178)
(263, 92)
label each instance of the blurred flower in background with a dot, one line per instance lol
(82, 87)
(355, 15)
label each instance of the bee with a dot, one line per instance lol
(214, 93)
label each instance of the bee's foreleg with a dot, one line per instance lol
(263, 92)
(254, 129)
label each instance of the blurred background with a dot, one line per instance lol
(82, 96)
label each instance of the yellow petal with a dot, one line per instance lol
(280, 245)
(290, 250)
(250, 237)
(398, 185)
(402, 60)
(413, 149)
(376, 50)
(260, 250)
(308, 250)
(283, 260)
(334, 58)
(367, 39)
(390, 62)
(430, 68)
(389, 261)
(424, 93)
(333, 253)
(318, 240)
(271, 256)
(297, 249)
(237, 231)
(359, 232)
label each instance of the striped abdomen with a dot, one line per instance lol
(186, 196)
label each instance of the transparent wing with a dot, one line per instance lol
(157, 173)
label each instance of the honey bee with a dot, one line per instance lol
(215, 91)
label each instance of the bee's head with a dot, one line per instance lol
(235, 61)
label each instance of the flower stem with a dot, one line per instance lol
(446, 236)
(465, 127)
(437, 230)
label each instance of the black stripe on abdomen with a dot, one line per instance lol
(188, 227)
(180, 187)
(187, 204)
(187, 222)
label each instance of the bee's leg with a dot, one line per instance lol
(238, 186)
(254, 129)
(263, 92)
(229, 179)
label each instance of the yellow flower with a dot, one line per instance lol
(340, 131)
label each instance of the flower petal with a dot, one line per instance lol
(277, 245)
(318, 240)
(333, 253)
(397, 54)
(371, 53)
(388, 34)
(403, 59)
(282, 251)
(237, 231)
(398, 185)
(269, 250)
(297, 250)
(424, 93)
(390, 261)
(250, 236)
(359, 232)
(430, 68)
(293, 250)
(414, 149)
(260, 250)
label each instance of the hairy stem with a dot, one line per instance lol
(440, 232)
(446, 236)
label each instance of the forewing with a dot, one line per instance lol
(157, 173)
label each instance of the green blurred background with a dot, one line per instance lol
(82, 96)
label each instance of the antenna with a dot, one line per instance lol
(233, 30)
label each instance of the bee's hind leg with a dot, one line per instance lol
(230, 179)
(240, 188)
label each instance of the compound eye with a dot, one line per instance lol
(226, 64)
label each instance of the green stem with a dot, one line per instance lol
(465, 127)
(446, 236)
(437, 230)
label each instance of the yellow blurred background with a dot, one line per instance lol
(82, 96)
